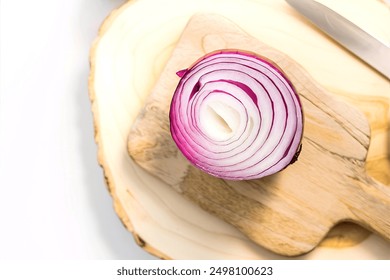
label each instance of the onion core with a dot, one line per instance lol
(236, 116)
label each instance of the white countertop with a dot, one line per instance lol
(53, 203)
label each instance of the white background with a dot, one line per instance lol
(53, 200)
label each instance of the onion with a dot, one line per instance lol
(236, 116)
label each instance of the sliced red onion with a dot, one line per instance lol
(236, 116)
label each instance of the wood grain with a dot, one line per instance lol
(288, 213)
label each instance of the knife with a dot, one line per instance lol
(372, 51)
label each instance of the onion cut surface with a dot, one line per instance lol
(236, 116)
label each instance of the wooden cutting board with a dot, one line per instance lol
(290, 212)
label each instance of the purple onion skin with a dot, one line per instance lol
(235, 115)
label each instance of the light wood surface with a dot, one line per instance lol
(292, 211)
(133, 46)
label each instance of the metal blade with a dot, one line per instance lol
(352, 37)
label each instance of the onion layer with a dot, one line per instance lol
(236, 116)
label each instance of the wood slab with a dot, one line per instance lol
(132, 48)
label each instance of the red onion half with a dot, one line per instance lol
(236, 116)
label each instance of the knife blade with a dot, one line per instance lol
(372, 51)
